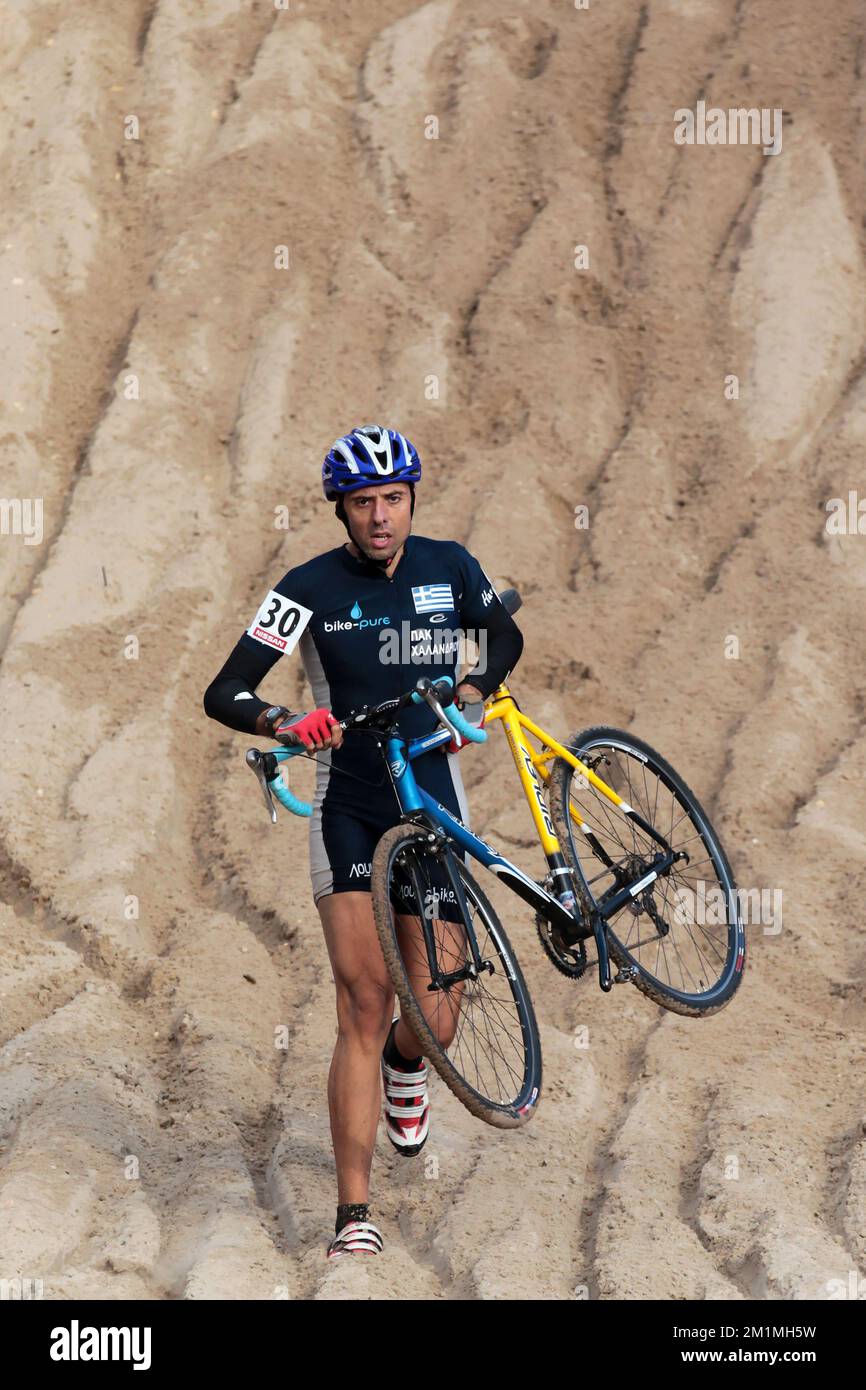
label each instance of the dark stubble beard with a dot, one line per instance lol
(383, 561)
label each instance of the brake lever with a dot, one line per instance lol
(425, 689)
(256, 761)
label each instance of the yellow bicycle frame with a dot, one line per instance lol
(588, 912)
(529, 763)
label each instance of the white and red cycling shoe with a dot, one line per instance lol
(407, 1105)
(356, 1238)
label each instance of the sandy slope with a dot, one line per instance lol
(165, 388)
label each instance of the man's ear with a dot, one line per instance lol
(340, 511)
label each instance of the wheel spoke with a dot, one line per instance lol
(690, 956)
(478, 1023)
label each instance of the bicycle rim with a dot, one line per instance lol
(683, 933)
(479, 1033)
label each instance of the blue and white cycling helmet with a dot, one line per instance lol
(369, 455)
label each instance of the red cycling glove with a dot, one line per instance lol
(309, 728)
(475, 713)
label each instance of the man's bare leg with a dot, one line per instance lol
(365, 1007)
(441, 1009)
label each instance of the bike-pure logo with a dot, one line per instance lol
(360, 870)
(846, 519)
(707, 905)
(22, 516)
(736, 126)
(76, 1343)
(425, 646)
(357, 621)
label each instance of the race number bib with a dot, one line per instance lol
(279, 622)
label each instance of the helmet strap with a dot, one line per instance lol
(340, 511)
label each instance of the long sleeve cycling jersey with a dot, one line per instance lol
(364, 637)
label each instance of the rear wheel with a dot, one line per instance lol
(681, 936)
(478, 1029)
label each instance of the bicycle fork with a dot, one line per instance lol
(426, 898)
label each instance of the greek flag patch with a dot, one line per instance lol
(430, 597)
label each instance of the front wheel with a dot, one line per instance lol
(476, 1026)
(681, 937)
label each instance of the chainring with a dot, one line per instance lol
(568, 960)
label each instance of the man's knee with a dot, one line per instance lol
(364, 1009)
(365, 995)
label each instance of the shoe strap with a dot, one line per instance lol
(407, 1112)
(357, 1235)
(411, 1088)
(405, 1078)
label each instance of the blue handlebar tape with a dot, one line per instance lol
(292, 803)
(468, 731)
(419, 699)
(452, 713)
(284, 795)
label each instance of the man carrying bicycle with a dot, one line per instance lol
(369, 618)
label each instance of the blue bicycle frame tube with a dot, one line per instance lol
(415, 798)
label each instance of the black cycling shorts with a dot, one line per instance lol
(343, 837)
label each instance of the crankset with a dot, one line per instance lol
(569, 959)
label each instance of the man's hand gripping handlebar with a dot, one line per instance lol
(382, 717)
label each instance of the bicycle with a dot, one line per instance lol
(593, 883)
(449, 958)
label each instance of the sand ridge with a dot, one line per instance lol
(166, 1002)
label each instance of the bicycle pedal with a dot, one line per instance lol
(626, 976)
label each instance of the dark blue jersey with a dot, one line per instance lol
(364, 637)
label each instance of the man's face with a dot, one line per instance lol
(379, 518)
